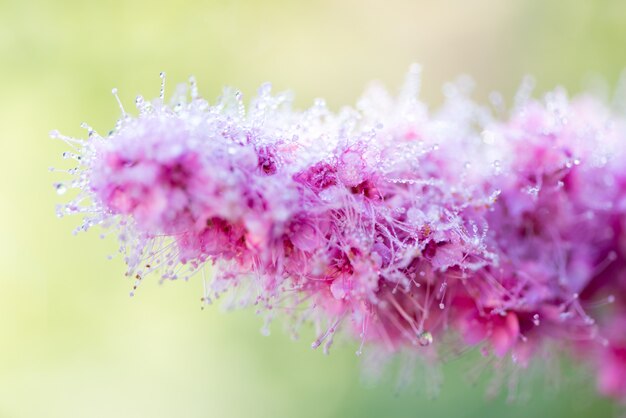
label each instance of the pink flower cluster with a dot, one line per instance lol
(399, 225)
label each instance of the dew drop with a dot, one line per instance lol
(425, 339)
(60, 188)
(497, 166)
(319, 104)
(536, 321)
(488, 137)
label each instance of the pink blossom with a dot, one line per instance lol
(396, 225)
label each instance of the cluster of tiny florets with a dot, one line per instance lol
(390, 222)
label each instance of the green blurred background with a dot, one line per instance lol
(73, 344)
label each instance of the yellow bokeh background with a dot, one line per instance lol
(74, 344)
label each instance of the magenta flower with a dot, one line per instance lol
(393, 224)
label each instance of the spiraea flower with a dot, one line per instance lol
(396, 225)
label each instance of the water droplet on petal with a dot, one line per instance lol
(425, 339)
(536, 320)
